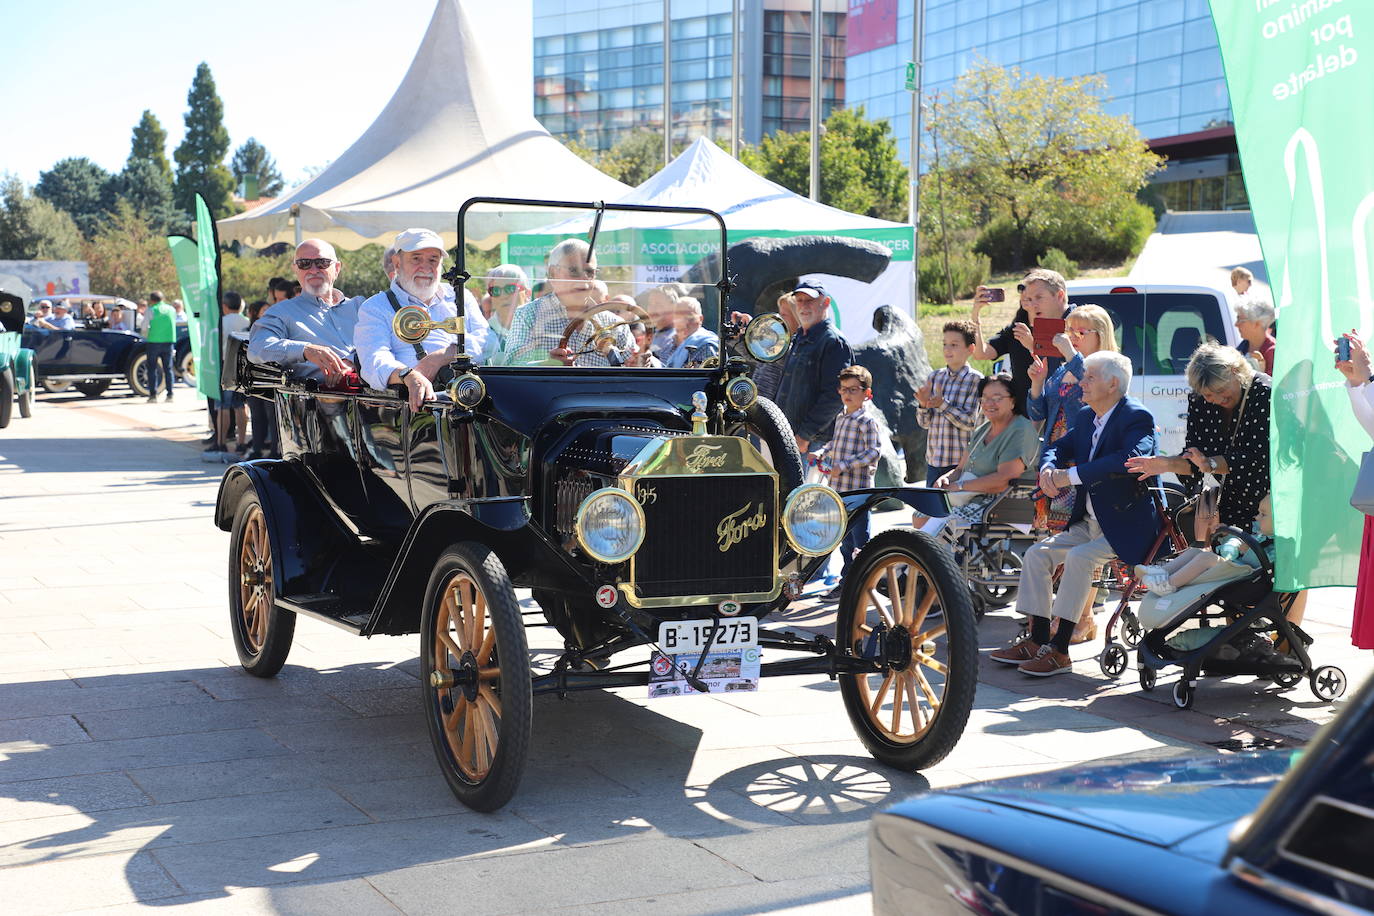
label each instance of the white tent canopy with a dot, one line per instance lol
(704, 175)
(453, 130)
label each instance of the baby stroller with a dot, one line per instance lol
(1233, 606)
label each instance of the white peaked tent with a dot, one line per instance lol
(453, 130)
(704, 175)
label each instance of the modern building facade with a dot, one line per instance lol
(598, 67)
(1159, 57)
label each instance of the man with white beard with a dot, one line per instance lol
(385, 358)
(310, 335)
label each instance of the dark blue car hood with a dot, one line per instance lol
(1161, 802)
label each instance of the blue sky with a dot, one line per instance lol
(77, 74)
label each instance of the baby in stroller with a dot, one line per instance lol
(1228, 592)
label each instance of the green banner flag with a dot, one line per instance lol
(187, 261)
(207, 237)
(1299, 73)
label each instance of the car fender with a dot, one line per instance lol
(501, 523)
(306, 536)
(23, 366)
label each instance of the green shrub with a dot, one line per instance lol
(966, 268)
(1054, 259)
(1107, 236)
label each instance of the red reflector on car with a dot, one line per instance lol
(1123, 289)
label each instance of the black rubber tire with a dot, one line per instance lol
(765, 420)
(26, 399)
(95, 387)
(1286, 679)
(186, 368)
(480, 788)
(1328, 682)
(137, 374)
(1148, 679)
(1003, 596)
(1131, 631)
(1112, 661)
(55, 387)
(1183, 695)
(262, 631)
(6, 396)
(925, 559)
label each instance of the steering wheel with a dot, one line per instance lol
(600, 332)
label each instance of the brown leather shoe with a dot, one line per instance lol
(1023, 650)
(1047, 663)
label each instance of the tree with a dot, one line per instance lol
(148, 192)
(32, 229)
(252, 159)
(860, 169)
(76, 185)
(150, 143)
(200, 157)
(1037, 149)
(127, 258)
(633, 159)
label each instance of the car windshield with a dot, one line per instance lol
(572, 287)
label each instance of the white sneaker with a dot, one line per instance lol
(1159, 584)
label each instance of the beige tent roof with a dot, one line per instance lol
(451, 131)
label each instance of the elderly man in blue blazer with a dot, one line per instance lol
(1112, 515)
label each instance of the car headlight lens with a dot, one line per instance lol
(814, 519)
(467, 390)
(610, 525)
(741, 392)
(765, 337)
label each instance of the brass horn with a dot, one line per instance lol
(413, 324)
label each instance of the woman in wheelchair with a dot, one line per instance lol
(1000, 451)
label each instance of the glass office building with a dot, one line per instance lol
(1159, 57)
(598, 67)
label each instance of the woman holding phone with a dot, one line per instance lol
(1359, 377)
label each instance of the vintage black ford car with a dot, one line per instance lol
(636, 504)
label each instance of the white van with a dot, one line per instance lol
(1159, 326)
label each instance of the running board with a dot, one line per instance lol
(328, 608)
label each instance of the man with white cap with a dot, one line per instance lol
(61, 319)
(310, 335)
(386, 359)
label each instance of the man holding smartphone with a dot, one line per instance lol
(1044, 294)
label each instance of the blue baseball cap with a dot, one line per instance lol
(811, 289)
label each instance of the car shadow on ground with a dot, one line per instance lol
(206, 780)
(114, 454)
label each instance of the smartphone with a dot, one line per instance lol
(997, 294)
(1343, 349)
(1044, 331)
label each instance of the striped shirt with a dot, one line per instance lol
(951, 423)
(853, 450)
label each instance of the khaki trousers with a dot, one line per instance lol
(1082, 549)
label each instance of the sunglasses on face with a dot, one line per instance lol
(502, 290)
(1079, 332)
(317, 263)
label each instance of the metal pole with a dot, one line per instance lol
(296, 220)
(667, 81)
(816, 29)
(734, 79)
(918, 30)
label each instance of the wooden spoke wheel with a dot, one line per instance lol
(476, 677)
(262, 631)
(904, 607)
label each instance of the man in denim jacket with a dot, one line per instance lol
(807, 395)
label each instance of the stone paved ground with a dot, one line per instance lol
(139, 768)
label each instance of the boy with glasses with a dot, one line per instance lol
(850, 458)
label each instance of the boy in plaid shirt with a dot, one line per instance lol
(949, 403)
(850, 458)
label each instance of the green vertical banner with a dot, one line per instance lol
(207, 249)
(187, 261)
(1301, 75)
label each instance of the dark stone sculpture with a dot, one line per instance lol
(897, 359)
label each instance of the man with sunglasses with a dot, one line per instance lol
(310, 335)
(538, 327)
